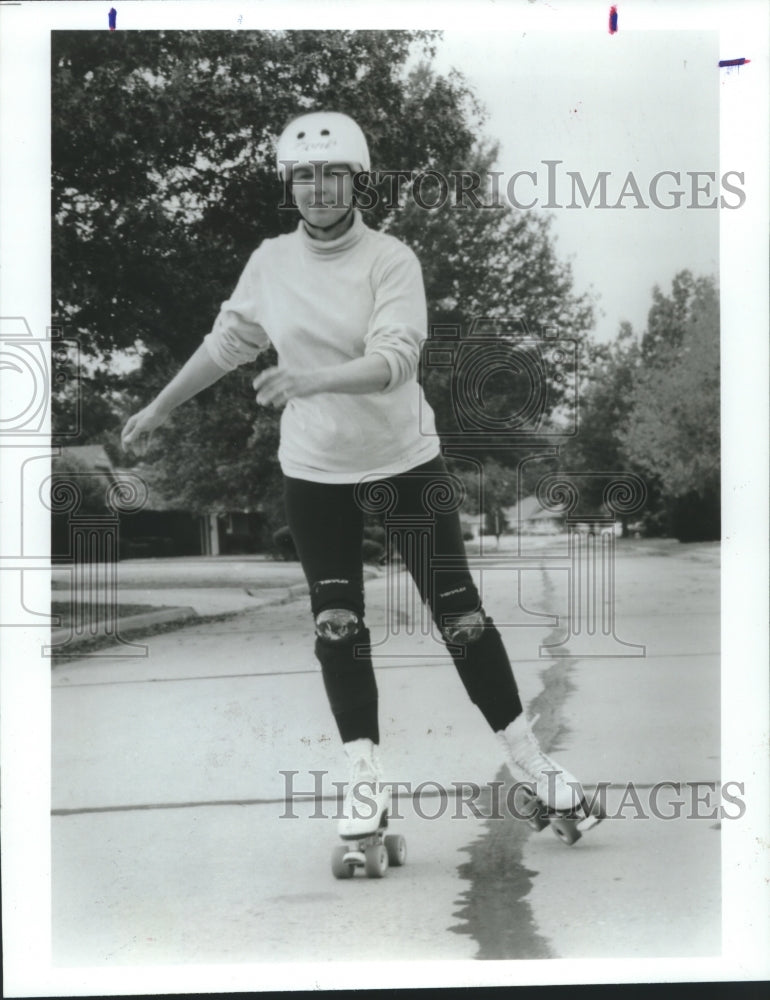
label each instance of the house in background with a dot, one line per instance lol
(159, 528)
(528, 517)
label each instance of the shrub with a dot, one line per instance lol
(284, 543)
(372, 551)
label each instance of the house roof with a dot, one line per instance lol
(530, 509)
(93, 456)
(95, 459)
(156, 500)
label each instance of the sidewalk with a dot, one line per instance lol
(181, 590)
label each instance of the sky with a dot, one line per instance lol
(643, 102)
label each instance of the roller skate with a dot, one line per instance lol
(365, 818)
(546, 794)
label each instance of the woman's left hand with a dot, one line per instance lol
(276, 386)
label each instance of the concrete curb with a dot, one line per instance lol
(64, 638)
(137, 625)
(134, 625)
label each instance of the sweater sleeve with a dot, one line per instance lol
(236, 337)
(398, 323)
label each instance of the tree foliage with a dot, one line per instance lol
(607, 380)
(489, 488)
(675, 430)
(650, 406)
(668, 319)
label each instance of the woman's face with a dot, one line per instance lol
(323, 193)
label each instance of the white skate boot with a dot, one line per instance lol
(366, 800)
(549, 793)
(365, 817)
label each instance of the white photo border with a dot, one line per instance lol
(25, 291)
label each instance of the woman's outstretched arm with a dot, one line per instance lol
(199, 372)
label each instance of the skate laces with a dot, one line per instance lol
(527, 753)
(364, 771)
(364, 774)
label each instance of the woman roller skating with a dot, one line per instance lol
(344, 307)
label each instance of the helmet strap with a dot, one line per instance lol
(333, 225)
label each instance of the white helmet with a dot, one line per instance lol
(322, 135)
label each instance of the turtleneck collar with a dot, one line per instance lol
(332, 248)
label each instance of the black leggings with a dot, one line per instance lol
(326, 522)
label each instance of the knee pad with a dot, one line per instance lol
(337, 625)
(465, 628)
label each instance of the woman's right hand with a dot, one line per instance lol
(138, 430)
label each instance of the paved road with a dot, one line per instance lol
(172, 843)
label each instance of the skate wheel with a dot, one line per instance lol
(566, 830)
(395, 845)
(530, 808)
(375, 860)
(341, 868)
(538, 821)
(591, 818)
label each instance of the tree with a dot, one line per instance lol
(674, 425)
(667, 319)
(489, 488)
(605, 401)
(651, 406)
(607, 382)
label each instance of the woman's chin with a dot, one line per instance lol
(323, 218)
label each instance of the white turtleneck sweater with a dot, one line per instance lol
(326, 303)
